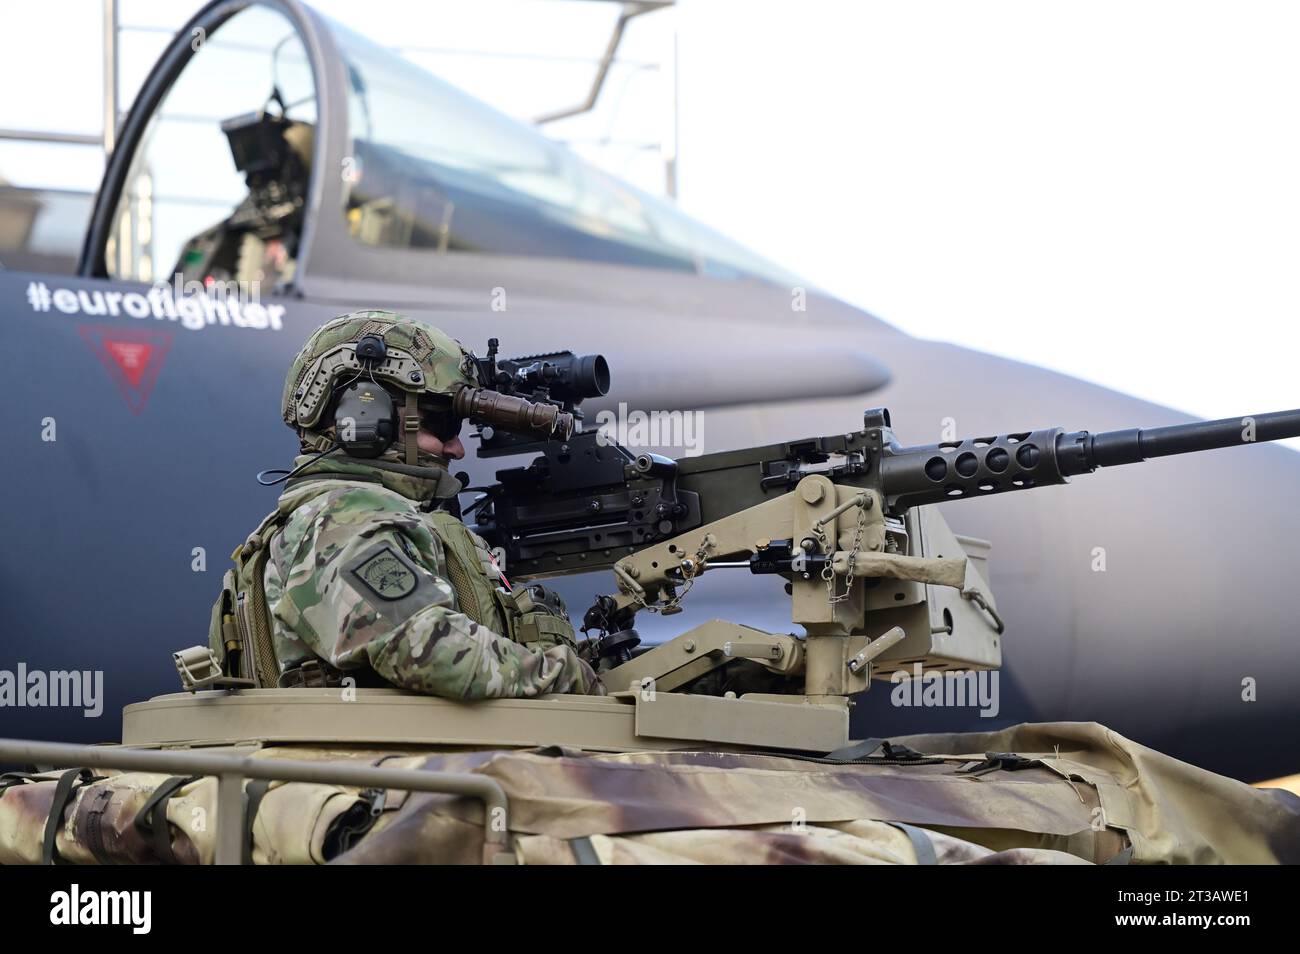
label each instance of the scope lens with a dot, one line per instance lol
(591, 376)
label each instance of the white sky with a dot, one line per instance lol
(1107, 188)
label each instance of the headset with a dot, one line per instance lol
(365, 415)
(365, 418)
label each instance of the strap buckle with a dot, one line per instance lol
(995, 761)
(199, 668)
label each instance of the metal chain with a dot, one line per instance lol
(688, 580)
(828, 573)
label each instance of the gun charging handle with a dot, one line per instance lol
(513, 414)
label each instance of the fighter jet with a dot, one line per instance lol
(286, 170)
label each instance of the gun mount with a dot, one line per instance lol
(877, 580)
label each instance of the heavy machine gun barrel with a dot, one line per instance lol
(1137, 444)
(914, 476)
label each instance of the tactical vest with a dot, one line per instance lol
(481, 589)
(240, 630)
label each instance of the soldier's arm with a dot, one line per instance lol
(365, 584)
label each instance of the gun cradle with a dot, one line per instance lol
(877, 579)
(854, 580)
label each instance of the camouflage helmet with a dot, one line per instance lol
(421, 362)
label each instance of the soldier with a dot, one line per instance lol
(364, 573)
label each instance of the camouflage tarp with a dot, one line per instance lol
(1056, 793)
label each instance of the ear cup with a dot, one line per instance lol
(365, 421)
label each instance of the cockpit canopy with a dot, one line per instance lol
(284, 142)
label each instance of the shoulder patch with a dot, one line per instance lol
(386, 574)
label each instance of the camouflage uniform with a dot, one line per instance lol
(357, 577)
(357, 573)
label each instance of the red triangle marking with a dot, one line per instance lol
(133, 357)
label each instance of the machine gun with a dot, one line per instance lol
(878, 581)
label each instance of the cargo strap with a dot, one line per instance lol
(997, 761)
(9, 779)
(859, 751)
(254, 792)
(95, 825)
(584, 852)
(921, 843)
(151, 819)
(854, 751)
(63, 792)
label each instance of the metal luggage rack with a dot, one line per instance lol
(231, 771)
